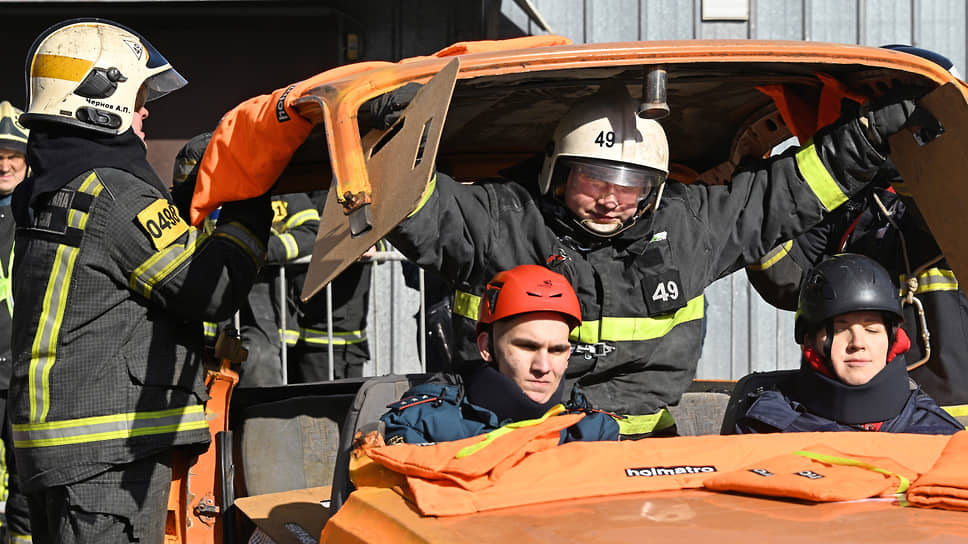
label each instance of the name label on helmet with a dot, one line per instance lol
(161, 221)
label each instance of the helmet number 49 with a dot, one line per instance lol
(665, 291)
(605, 139)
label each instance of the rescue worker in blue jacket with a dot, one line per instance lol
(525, 317)
(111, 285)
(638, 250)
(853, 375)
(886, 225)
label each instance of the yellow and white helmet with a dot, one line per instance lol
(13, 135)
(604, 128)
(94, 74)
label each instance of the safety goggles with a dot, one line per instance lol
(625, 180)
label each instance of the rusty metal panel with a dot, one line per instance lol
(776, 20)
(410, 163)
(612, 21)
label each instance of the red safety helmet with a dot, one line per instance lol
(524, 289)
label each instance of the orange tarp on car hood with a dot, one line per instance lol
(589, 469)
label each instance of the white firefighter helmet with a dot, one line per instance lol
(13, 135)
(605, 129)
(94, 74)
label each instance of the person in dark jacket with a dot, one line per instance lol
(13, 170)
(886, 225)
(522, 338)
(638, 250)
(853, 375)
(111, 285)
(309, 360)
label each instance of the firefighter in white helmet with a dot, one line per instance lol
(638, 249)
(607, 166)
(111, 287)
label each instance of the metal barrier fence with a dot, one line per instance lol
(374, 330)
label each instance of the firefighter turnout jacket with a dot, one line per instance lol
(641, 292)
(294, 225)
(111, 286)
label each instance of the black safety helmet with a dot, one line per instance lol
(846, 283)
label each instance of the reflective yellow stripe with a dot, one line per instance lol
(647, 423)
(6, 287)
(161, 265)
(501, 431)
(819, 179)
(112, 427)
(301, 218)
(426, 196)
(17, 538)
(933, 279)
(43, 352)
(291, 336)
(466, 304)
(4, 474)
(289, 243)
(958, 410)
(60, 67)
(615, 329)
(210, 329)
(625, 329)
(316, 336)
(903, 482)
(772, 257)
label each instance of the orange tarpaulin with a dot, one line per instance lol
(817, 473)
(946, 484)
(589, 469)
(254, 141)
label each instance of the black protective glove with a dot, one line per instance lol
(383, 111)
(888, 114)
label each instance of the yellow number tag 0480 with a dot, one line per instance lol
(162, 223)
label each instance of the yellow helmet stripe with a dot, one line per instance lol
(60, 67)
